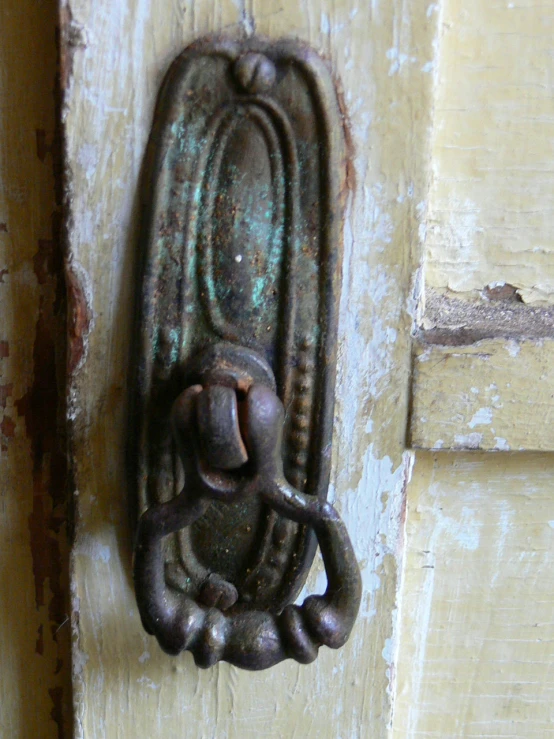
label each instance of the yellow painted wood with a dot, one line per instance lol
(477, 637)
(488, 228)
(116, 53)
(34, 646)
(491, 201)
(493, 395)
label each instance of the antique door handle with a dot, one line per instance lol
(233, 405)
(209, 425)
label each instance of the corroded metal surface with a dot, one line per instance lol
(211, 626)
(240, 285)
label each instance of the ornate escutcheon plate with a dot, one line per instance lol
(241, 246)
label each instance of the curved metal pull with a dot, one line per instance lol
(233, 401)
(206, 426)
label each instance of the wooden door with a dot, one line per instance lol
(441, 467)
(116, 57)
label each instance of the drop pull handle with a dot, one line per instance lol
(214, 426)
(237, 329)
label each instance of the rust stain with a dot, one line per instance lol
(43, 263)
(7, 427)
(4, 228)
(6, 391)
(350, 178)
(78, 319)
(43, 147)
(73, 39)
(39, 407)
(57, 712)
(39, 645)
(4, 349)
(43, 409)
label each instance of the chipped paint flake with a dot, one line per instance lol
(91, 546)
(482, 417)
(433, 8)
(399, 60)
(481, 387)
(468, 441)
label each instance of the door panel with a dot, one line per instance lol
(476, 640)
(476, 650)
(429, 212)
(116, 54)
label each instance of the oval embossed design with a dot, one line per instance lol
(246, 228)
(245, 223)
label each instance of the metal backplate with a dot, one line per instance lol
(241, 244)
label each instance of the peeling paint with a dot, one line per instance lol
(500, 444)
(33, 468)
(398, 59)
(91, 546)
(482, 417)
(475, 647)
(491, 199)
(79, 317)
(468, 441)
(513, 348)
(376, 520)
(502, 396)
